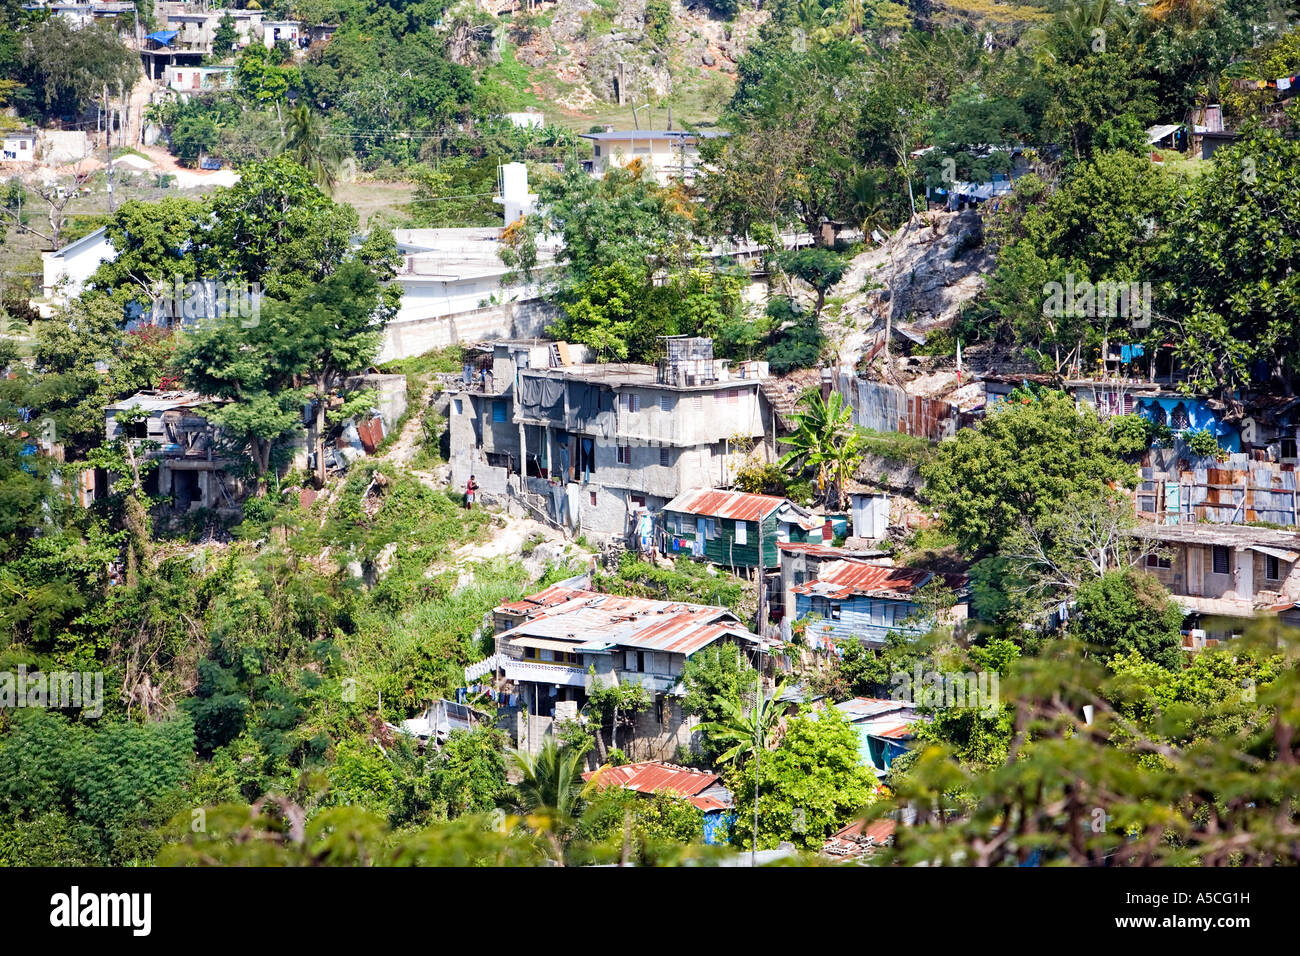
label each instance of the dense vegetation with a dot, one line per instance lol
(252, 665)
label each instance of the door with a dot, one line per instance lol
(701, 527)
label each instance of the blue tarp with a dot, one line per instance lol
(164, 37)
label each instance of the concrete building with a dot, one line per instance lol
(1224, 571)
(456, 289)
(19, 146)
(667, 154)
(586, 446)
(283, 31)
(555, 647)
(199, 79)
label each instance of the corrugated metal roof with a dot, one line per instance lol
(862, 708)
(828, 551)
(736, 505)
(591, 621)
(654, 776)
(840, 579)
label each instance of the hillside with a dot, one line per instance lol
(585, 62)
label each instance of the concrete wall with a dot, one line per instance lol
(410, 337)
(688, 418)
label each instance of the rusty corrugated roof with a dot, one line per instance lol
(840, 579)
(655, 776)
(736, 505)
(591, 620)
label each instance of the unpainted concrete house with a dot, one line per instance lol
(586, 446)
(1226, 572)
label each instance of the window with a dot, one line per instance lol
(666, 403)
(1156, 560)
(710, 528)
(460, 408)
(742, 532)
(625, 454)
(665, 457)
(631, 402)
(697, 403)
(1288, 448)
(638, 501)
(1221, 559)
(730, 396)
(1271, 568)
(498, 411)
(835, 612)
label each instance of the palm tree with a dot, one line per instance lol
(307, 142)
(743, 730)
(823, 426)
(552, 778)
(867, 201)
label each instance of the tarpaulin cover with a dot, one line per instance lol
(541, 397)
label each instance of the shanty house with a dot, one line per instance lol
(704, 790)
(555, 647)
(725, 527)
(801, 561)
(883, 728)
(184, 442)
(868, 602)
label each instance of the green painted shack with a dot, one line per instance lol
(722, 527)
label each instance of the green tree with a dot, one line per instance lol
(1234, 247)
(1021, 463)
(1130, 611)
(810, 785)
(741, 730)
(825, 441)
(308, 144)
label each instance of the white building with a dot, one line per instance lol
(455, 288)
(67, 270)
(290, 31)
(19, 146)
(199, 79)
(668, 154)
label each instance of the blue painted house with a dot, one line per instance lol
(867, 601)
(884, 728)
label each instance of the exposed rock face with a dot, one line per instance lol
(921, 277)
(592, 49)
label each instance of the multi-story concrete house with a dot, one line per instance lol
(1225, 572)
(588, 446)
(555, 647)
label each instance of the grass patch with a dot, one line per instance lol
(897, 447)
